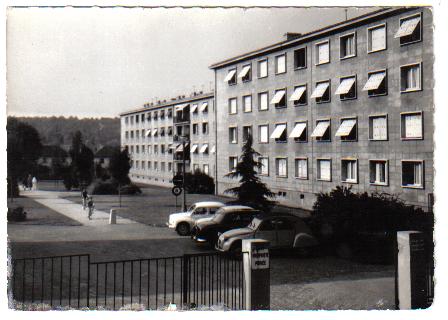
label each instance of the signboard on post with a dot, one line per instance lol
(260, 259)
(176, 190)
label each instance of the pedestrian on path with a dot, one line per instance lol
(91, 207)
(29, 182)
(84, 196)
(34, 182)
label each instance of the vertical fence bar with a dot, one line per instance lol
(157, 281)
(149, 278)
(97, 284)
(140, 283)
(51, 283)
(105, 285)
(189, 280)
(32, 283)
(172, 281)
(115, 280)
(42, 281)
(70, 283)
(182, 277)
(164, 282)
(88, 281)
(60, 282)
(23, 284)
(132, 279)
(14, 269)
(122, 284)
(79, 280)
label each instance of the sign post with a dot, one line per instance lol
(256, 274)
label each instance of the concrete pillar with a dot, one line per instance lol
(113, 216)
(411, 271)
(256, 274)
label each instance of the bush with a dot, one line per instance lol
(199, 182)
(367, 223)
(130, 189)
(103, 187)
(13, 188)
(16, 214)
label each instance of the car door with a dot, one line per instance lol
(266, 231)
(199, 213)
(285, 232)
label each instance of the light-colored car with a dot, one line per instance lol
(282, 231)
(182, 222)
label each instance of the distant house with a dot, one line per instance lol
(103, 155)
(52, 154)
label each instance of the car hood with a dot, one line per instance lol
(179, 215)
(205, 222)
(238, 232)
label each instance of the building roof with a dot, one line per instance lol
(363, 19)
(171, 103)
(106, 151)
(53, 152)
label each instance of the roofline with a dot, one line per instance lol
(313, 34)
(169, 103)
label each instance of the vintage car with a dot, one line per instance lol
(226, 218)
(282, 231)
(182, 222)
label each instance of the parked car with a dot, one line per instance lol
(182, 222)
(226, 218)
(282, 232)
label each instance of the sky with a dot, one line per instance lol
(92, 62)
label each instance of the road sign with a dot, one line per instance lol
(176, 190)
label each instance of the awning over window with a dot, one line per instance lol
(298, 130)
(278, 96)
(320, 129)
(180, 107)
(154, 132)
(148, 132)
(278, 131)
(244, 72)
(204, 148)
(194, 108)
(170, 146)
(230, 75)
(374, 81)
(407, 27)
(204, 106)
(180, 148)
(297, 94)
(345, 128)
(194, 148)
(320, 89)
(213, 150)
(345, 86)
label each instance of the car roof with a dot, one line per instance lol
(237, 208)
(209, 204)
(266, 216)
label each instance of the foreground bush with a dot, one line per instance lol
(110, 187)
(199, 182)
(16, 214)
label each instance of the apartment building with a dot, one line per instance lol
(153, 135)
(350, 104)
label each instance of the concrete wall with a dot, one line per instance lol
(393, 104)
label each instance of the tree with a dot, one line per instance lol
(251, 190)
(119, 167)
(81, 167)
(24, 148)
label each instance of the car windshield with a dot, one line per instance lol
(254, 223)
(191, 208)
(219, 216)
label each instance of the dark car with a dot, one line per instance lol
(226, 218)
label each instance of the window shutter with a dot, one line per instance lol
(413, 126)
(325, 170)
(323, 52)
(378, 39)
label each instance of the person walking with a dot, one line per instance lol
(91, 207)
(34, 182)
(29, 182)
(84, 196)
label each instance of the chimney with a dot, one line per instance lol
(292, 35)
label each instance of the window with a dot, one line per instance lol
(162, 114)
(411, 126)
(126, 120)
(231, 77)
(301, 168)
(279, 99)
(378, 172)
(162, 131)
(410, 30)
(347, 88)
(204, 107)
(204, 148)
(378, 127)
(149, 165)
(324, 169)
(170, 131)
(280, 64)
(137, 164)
(264, 166)
(300, 58)
(155, 132)
(281, 167)
(205, 128)
(137, 118)
(137, 134)
(194, 109)
(246, 73)
(412, 174)
(349, 171)
(148, 116)
(195, 167)
(155, 115)
(376, 38)
(170, 166)
(280, 133)
(263, 68)
(170, 113)
(232, 106)
(411, 77)
(299, 133)
(347, 46)
(143, 148)
(322, 130)
(156, 149)
(132, 134)
(126, 134)
(323, 52)
(322, 92)
(162, 166)
(347, 130)
(194, 149)
(247, 131)
(162, 149)
(205, 168)
(156, 166)
(263, 133)
(195, 128)
(263, 101)
(132, 119)
(233, 135)
(142, 116)
(376, 85)
(247, 103)
(233, 161)
(299, 96)
(137, 149)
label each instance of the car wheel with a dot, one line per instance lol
(183, 229)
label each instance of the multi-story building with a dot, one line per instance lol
(350, 104)
(150, 134)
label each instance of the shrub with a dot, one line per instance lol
(16, 214)
(199, 182)
(103, 187)
(130, 189)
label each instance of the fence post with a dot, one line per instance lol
(185, 273)
(412, 291)
(113, 216)
(256, 274)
